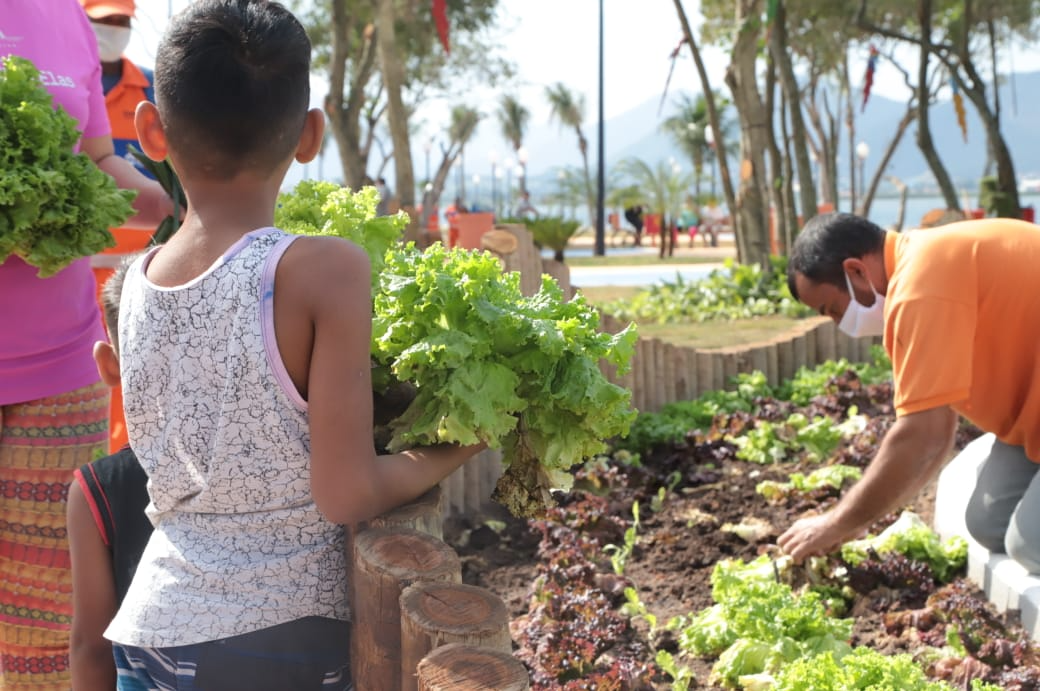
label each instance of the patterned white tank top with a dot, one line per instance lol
(222, 432)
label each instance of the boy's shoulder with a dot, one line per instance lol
(311, 258)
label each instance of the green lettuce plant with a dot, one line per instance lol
(56, 206)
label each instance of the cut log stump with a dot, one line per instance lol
(433, 614)
(461, 667)
(386, 561)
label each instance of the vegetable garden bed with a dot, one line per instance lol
(564, 579)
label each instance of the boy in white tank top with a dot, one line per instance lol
(247, 385)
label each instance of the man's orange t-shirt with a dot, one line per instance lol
(962, 324)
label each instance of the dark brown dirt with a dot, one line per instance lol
(679, 543)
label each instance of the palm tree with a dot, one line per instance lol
(513, 117)
(569, 110)
(662, 190)
(464, 120)
(688, 128)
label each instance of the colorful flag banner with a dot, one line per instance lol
(868, 78)
(440, 20)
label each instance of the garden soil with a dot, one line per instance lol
(679, 543)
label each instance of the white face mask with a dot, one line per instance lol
(111, 41)
(860, 320)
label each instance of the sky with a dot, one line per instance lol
(550, 41)
(558, 41)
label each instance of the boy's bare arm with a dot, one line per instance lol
(93, 598)
(330, 280)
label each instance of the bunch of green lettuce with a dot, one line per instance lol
(775, 442)
(489, 363)
(758, 625)
(324, 208)
(55, 205)
(911, 537)
(833, 476)
(863, 668)
(485, 362)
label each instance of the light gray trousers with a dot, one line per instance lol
(1003, 514)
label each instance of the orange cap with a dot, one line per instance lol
(96, 9)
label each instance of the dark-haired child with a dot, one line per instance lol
(107, 527)
(246, 372)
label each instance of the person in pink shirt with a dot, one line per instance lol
(53, 406)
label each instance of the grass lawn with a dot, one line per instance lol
(703, 335)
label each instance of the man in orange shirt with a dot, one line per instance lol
(959, 309)
(125, 85)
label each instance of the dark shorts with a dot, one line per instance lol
(305, 654)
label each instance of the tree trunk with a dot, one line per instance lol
(716, 124)
(799, 139)
(590, 200)
(433, 614)
(459, 667)
(778, 172)
(850, 127)
(975, 90)
(924, 131)
(868, 198)
(753, 226)
(901, 186)
(397, 114)
(793, 222)
(824, 137)
(344, 103)
(386, 562)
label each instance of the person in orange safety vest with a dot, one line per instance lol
(125, 85)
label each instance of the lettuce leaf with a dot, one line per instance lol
(56, 206)
(487, 362)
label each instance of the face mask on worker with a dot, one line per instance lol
(860, 320)
(111, 41)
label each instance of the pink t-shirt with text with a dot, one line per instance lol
(48, 326)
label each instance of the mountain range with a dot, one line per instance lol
(637, 133)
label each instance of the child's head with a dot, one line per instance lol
(106, 355)
(232, 88)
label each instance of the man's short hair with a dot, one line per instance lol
(232, 85)
(828, 240)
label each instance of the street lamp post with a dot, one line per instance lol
(428, 146)
(862, 151)
(518, 171)
(507, 193)
(521, 155)
(709, 137)
(561, 177)
(476, 192)
(493, 157)
(460, 187)
(601, 184)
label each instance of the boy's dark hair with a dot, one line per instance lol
(111, 292)
(826, 241)
(232, 85)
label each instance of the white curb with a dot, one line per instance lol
(1007, 585)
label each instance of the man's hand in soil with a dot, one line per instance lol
(910, 455)
(814, 536)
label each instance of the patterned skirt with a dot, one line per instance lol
(41, 443)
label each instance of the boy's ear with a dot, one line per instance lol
(150, 133)
(311, 136)
(107, 363)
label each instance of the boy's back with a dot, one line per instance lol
(223, 436)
